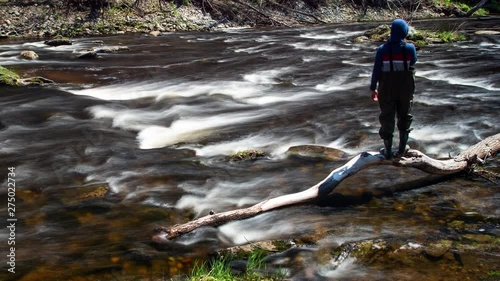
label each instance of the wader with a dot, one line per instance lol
(396, 89)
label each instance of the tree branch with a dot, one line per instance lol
(413, 158)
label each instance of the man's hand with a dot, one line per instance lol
(374, 95)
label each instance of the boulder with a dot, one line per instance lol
(28, 55)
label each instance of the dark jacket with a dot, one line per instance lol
(398, 49)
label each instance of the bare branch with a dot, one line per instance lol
(413, 158)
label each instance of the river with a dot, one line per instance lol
(139, 139)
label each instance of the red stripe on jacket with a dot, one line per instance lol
(399, 57)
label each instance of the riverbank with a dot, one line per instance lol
(45, 20)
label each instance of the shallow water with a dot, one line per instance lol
(138, 139)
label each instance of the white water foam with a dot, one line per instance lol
(267, 76)
(283, 97)
(243, 232)
(337, 83)
(317, 47)
(440, 75)
(162, 90)
(276, 146)
(252, 50)
(224, 195)
(328, 36)
(191, 129)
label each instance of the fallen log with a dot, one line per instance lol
(475, 154)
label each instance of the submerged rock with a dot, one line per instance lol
(316, 151)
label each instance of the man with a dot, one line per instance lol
(393, 71)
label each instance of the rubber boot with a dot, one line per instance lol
(388, 148)
(403, 139)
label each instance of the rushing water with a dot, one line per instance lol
(138, 139)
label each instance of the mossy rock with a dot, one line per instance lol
(379, 33)
(60, 41)
(249, 154)
(8, 77)
(438, 249)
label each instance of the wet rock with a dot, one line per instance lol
(58, 42)
(380, 33)
(438, 249)
(29, 55)
(88, 55)
(268, 246)
(316, 151)
(111, 49)
(250, 154)
(155, 33)
(361, 39)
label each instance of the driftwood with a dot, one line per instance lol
(413, 158)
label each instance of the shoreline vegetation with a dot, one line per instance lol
(78, 18)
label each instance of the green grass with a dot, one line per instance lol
(492, 275)
(219, 269)
(451, 36)
(8, 77)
